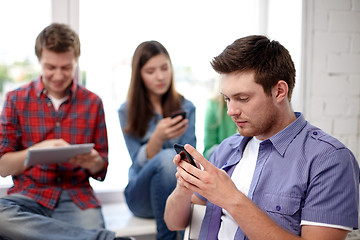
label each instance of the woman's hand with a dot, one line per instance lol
(168, 128)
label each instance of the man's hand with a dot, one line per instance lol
(91, 161)
(182, 185)
(51, 143)
(12, 163)
(178, 205)
(211, 182)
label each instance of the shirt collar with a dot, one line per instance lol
(41, 89)
(282, 139)
(238, 143)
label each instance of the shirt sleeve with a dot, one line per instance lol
(101, 143)
(334, 178)
(10, 132)
(304, 223)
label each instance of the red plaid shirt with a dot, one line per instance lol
(28, 117)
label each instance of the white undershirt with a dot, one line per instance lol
(242, 176)
(57, 102)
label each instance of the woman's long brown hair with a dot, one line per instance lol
(140, 109)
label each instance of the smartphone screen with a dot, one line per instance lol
(185, 156)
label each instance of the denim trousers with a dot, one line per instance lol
(147, 192)
(23, 218)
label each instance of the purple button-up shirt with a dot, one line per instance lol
(301, 173)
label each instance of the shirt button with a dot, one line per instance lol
(49, 104)
(315, 133)
(57, 124)
(278, 208)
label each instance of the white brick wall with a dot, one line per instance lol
(331, 68)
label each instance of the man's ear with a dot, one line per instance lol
(280, 90)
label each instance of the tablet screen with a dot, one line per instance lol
(59, 154)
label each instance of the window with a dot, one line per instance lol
(192, 31)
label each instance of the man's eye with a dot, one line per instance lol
(67, 68)
(242, 99)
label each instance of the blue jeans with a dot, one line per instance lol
(23, 218)
(147, 192)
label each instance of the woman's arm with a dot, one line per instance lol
(136, 149)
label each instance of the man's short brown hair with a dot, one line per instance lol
(58, 38)
(269, 60)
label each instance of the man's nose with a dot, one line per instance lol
(233, 109)
(58, 74)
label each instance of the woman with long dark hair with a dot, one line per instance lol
(150, 132)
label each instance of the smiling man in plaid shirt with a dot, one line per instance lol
(53, 201)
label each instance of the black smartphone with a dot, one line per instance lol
(175, 114)
(184, 154)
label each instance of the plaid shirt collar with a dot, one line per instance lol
(39, 86)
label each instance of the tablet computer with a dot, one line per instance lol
(48, 155)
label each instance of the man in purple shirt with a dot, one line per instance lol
(281, 177)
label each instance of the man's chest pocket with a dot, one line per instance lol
(285, 210)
